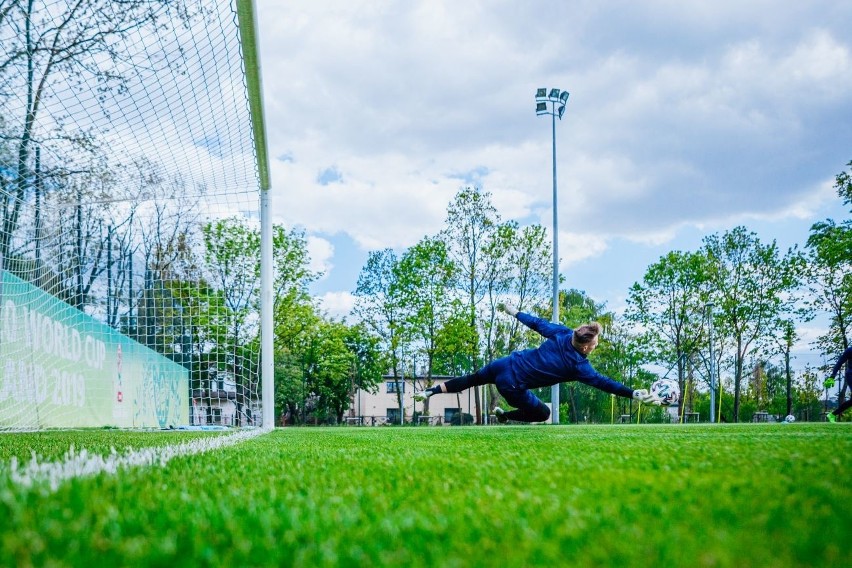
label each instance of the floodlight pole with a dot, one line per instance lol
(554, 105)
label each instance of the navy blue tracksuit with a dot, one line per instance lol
(554, 361)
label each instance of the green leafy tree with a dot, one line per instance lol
(452, 356)
(784, 342)
(529, 275)
(425, 275)
(379, 307)
(620, 355)
(232, 263)
(369, 362)
(472, 239)
(843, 185)
(204, 319)
(576, 308)
(669, 304)
(470, 227)
(499, 250)
(829, 277)
(751, 283)
(328, 370)
(521, 271)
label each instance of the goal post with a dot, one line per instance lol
(247, 12)
(136, 278)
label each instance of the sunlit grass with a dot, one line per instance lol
(730, 495)
(53, 444)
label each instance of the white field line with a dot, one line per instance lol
(83, 464)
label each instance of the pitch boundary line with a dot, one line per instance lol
(79, 464)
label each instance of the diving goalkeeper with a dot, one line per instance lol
(561, 358)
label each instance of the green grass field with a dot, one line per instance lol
(625, 495)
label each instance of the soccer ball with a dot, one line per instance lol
(666, 390)
(789, 418)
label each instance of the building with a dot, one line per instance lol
(216, 403)
(382, 407)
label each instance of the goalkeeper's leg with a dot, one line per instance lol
(486, 375)
(528, 407)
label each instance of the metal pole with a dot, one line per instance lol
(267, 372)
(554, 390)
(712, 364)
(247, 19)
(484, 405)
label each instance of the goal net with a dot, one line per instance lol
(132, 164)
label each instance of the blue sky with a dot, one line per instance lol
(685, 119)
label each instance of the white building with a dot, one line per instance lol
(383, 407)
(215, 403)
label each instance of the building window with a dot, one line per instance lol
(393, 415)
(450, 414)
(395, 386)
(216, 414)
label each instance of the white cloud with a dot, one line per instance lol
(820, 61)
(683, 117)
(574, 247)
(337, 304)
(321, 253)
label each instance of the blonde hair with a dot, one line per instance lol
(586, 333)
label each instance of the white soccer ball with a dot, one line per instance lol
(667, 390)
(789, 418)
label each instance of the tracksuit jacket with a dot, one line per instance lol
(556, 360)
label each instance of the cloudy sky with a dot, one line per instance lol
(685, 119)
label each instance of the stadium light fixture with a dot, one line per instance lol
(554, 105)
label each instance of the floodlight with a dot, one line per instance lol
(554, 105)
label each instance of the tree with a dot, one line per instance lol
(529, 272)
(469, 233)
(751, 285)
(785, 343)
(369, 362)
(829, 277)
(377, 303)
(669, 305)
(452, 343)
(232, 265)
(843, 185)
(470, 226)
(78, 43)
(329, 366)
(521, 267)
(424, 278)
(575, 309)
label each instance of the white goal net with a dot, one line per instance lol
(130, 228)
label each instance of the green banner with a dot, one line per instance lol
(60, 368)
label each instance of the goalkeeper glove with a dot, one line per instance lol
(644, 396)
(508, 308)
(828, 383)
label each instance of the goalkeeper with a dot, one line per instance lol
(846, 358)
(561, 358)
